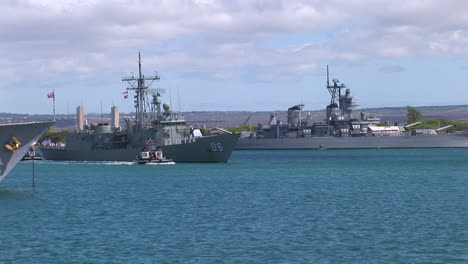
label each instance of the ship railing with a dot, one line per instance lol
(53, 146)
(188, 140)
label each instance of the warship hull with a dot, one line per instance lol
(364, 142)
(16, 140)
(204, 149)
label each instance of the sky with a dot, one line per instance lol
(232, 55)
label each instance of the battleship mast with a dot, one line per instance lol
(140, 92)
(334, 90)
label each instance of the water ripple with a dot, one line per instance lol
(367, 206)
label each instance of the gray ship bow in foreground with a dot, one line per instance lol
(16, 140)
(342, 129)
(152, 125)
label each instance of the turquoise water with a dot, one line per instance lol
(355, 206)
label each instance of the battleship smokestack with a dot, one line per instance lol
(115, 113)
(80, 117)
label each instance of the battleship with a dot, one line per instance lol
(342, 129)
(165, 128)
(17, 140)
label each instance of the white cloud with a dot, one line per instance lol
(100, 25)
(222, 38)
(306, 68)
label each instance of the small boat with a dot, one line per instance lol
(32, 155)
(153, 156)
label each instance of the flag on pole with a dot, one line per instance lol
(52, 95)
(125, 94)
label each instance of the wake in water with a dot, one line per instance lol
(111, 163)
(165, 163)
(93, 162)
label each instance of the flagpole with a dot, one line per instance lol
(53, 93)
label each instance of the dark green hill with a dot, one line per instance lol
(54, 136)
(241, 129)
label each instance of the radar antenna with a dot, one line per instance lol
(157, 91)
(156, 103)
(139, 86)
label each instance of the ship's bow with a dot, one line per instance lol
(206, 149)
(16, 140)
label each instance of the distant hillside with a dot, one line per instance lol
(390, 114)
(398, 114)
(439, 122)
(239, 118)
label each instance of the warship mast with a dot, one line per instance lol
(138, 85)
(334, 90)
(332, 110)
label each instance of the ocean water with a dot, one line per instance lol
(353, 206)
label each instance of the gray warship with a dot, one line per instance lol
(342, 129)
(17, 140)
(164, 128)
